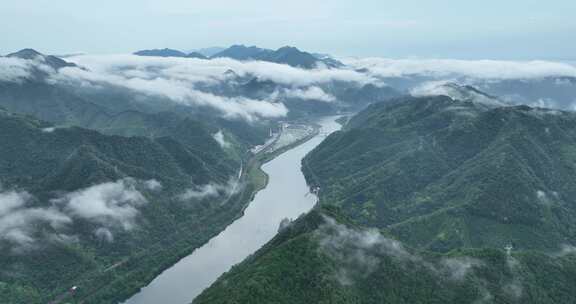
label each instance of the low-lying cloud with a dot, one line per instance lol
(110, 206)
(199, 70)
(181, 80)
(358, 253)
(20, 223)
(310, 93)
(177, 90)
(221, 140)
(480, 69)
(14, 69)
(211, 190)
(455, 91)
(199, 83)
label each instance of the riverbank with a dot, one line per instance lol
(254, 180)
(120, 280)
(284, 195)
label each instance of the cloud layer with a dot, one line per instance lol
(211, 190)
(359, 253)
(110, 206)
(204, 83)
(480, 69)
(184, 80)
(310, 93)
(15, 70)
(20, 223)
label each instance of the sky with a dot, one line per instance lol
(489, 29)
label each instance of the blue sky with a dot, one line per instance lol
(511, 29)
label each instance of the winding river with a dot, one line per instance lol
(285, 196)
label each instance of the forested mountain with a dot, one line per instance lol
(284, 55)
(428, 200)
(39, 156)
(52, 61)
(161, 53)
(108, 108)
(323, 258)
(102, 187)
(112, 171)
(241, 52)
(105, 213)
(169, 53)
(105, 183)
(442, 173)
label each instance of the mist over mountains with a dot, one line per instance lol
(113, 167)
(285, 55)
(430, 199)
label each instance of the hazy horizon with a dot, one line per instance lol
(515, 30)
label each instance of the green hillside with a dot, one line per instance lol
(442, 174)
(322, 260)
(427, 200)
(49, 242)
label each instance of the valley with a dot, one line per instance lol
(285, 197)
(277, 175)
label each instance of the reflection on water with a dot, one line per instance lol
(286, 196)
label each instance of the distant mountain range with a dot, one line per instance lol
(209, 51)
(49, 60)
(285, 55)
(169, 53)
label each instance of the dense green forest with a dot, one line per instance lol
(103, 186)
(108, 257)
(324, 258)
(427, 200)
(443, 174)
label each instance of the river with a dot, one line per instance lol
(285, 196)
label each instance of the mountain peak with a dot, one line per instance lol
(242, 52)
(196, 55)
(458, 92)
(288, 48)
(52, 61)
(26, 54)
(285, 55)
(166, 52)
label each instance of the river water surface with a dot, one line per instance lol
(285, 196)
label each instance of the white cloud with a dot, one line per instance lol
(210, 190)
(177, 89)
(310, 93)
(14, 69)
(459, 268)
(219, 138)
(565, 250)
(153, 185)
(455, 91)
(112, 204)
(481, 69)
(104, 234)
(49, 130)
(179, 78)
(20, 224)
(357, 252)
(198, 70)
